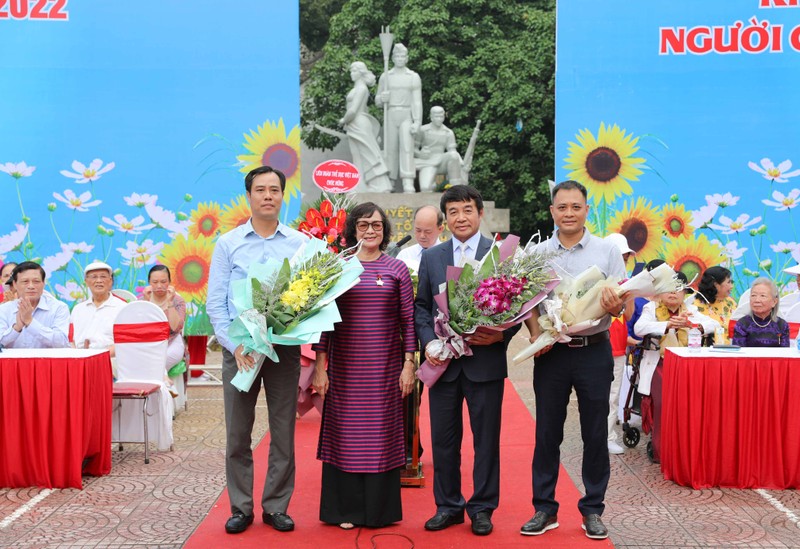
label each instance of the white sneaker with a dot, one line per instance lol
(614, 448)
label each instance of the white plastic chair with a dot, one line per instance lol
(141, 334)
(792, 316)
(787, 302)
(125, 295)
(743, 308)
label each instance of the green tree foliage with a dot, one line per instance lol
(315, 20)
(491, 60)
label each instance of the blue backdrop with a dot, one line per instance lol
(142, 118)
(683, 124)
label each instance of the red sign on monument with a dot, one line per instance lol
(336, 176)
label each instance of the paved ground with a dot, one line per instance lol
(160, 504)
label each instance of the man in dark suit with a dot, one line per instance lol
(478, 378)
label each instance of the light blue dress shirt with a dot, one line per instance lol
(472, 247)
(48, 329)
(234, 252)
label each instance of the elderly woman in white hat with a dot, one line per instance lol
(93, 320)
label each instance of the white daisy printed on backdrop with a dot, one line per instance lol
(17, 170)
(731, 226)
(77, 247)
(703, 216)
(782, 202)
(732, 250)
(782, 247)
(85, 174)
(13, 240)
(80, 203)
(57, 262)
(141, 253)
(140, 200)
(771, 172)
(167, 220)
(71, 291)
(133, 226)
(724, 200)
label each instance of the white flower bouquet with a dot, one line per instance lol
(575, 305)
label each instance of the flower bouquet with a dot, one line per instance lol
(289, 303)
(325, 220)
(496, 293)
(575, 305)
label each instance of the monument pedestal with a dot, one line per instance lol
(400, 207)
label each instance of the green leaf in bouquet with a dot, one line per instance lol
(283, 279)
(489, 263)
(279, 320)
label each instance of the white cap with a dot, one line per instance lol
(620, 242)
(98, 266)
(794, 271)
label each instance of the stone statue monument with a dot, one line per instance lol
(436, 152)
(400, 93)
(362, 130)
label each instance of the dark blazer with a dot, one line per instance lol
(488, 362)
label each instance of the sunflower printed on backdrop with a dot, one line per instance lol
(269, 145)
(189, 261)
(205, 220)
(605, 164)
(692, 256)
(640, 222)
(675, 220)
(234, 214)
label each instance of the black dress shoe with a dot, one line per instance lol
(280, 521)
(594, 527)
(539, 524)
(238, 523)
(440, 521)
(482, 523)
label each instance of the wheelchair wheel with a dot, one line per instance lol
(650, 454)
(630, 437)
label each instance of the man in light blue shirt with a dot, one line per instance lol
(261, 238)
(585, 364)
(36, 319)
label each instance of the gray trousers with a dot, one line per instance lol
(280, 382)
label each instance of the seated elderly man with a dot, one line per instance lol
(35, 319)
(93, 319)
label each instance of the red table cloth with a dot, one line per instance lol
(731, 419)
(55, 412)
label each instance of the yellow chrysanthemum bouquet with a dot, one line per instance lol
(289, 302)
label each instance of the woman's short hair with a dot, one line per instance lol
(763, 280)
(712, 275)
(360, 212)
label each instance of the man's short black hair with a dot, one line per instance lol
(569, 185)
(248, 179)
(460, 193)
(26, 266)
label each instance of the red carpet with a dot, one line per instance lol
(418, 506)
